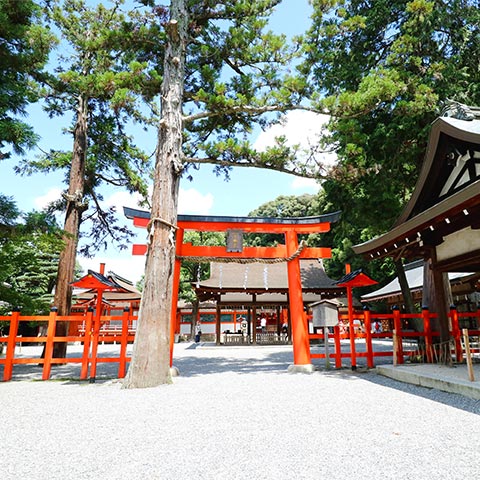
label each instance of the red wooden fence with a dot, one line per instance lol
(94, 330)
(399, 335)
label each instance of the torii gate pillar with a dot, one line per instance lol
(300, 340)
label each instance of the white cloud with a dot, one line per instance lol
(128, 266)
(193, 202)
(299, 128)
(53, 194)
(123, 199)
(305, 184)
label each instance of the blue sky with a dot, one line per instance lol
(207, 194)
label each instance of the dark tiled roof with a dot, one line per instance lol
(264, 277)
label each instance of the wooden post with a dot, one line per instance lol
(338, 347)
(327, 352)
(254, 319)
(10, 353)
(351, 329)
(428, 334)
(468, 354)
(47, 361)
(397, 325)
(300, 338)
(95, 335)
(86, 344)
(456, 333)
(122, 362)
(395, 352)
(218, 323)
(368, 336)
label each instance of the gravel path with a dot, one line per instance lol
(234, 413)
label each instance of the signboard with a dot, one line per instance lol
(325, 314)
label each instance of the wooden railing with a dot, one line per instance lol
(89, 334)
(90, 331)
(406, 342)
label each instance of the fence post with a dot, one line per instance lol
(86, 344)
(47, 361)
(456, 333)
(397, 326)
(10, 353)
(122, 363)
(468, 354)
(96, 333)
(368, 335)
(428, 334)
(338, 347)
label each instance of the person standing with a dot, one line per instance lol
(198, 332)
(263, 323)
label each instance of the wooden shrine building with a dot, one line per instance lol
(290, 253)
(264, 287)
(440, 224)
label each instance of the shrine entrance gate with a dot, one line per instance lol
(291, 252)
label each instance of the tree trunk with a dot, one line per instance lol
(406, 293)
(150, 365)
(437, 297)
(74, 209)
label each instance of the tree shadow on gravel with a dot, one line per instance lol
(454, 400)
(206, 365)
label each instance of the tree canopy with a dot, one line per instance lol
(30, 245)
(383, 70)
(24, 48)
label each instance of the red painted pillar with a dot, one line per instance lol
(428, 333)
(122, 363)
(10, 353)
(456, 333)
(300, 339)
(351, 328)
(86, 344)
(368, 336)
(338, 347)
(52, 323)
(176, 284)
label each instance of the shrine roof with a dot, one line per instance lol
(446, 198)
(258, 277)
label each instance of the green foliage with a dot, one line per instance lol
(283, 206)
(24, 48)
(109, 58)
(239, 75)
(383, 70)
(29, 252)
(192, 271)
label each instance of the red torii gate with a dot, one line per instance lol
(291, 252)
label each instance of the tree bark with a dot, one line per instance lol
(406, 293)
(150, 365)
(437, 297)
(74, 209)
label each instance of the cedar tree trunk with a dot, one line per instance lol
(150, 365)
(74, 210)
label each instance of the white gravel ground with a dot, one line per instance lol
(234, 413)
